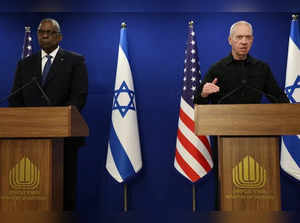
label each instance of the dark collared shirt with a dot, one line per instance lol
(241, 82)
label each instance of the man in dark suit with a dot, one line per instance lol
(63, 76)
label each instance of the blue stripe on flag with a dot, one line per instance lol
(119, 155)
(292, 143)
(123, 41)
(295, 33)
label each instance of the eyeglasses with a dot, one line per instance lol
(48, 32)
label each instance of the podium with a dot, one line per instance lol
(31, 156)
(248, 151)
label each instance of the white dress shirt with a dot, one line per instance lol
(44, 57)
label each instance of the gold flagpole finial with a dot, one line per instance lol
(123, 25)
(191, 23)
(27, 29)
(295, 17)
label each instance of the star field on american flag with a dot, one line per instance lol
(192, 76)
(193, 156)
(27, 46)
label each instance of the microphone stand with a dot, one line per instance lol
(16, 91)
(42, 91)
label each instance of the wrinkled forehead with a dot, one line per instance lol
(242, 29)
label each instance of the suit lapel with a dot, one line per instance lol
(55, 67)
(37, 61)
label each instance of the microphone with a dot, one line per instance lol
(243, 82)
(42, 91)
(275, 99)
(16, 91)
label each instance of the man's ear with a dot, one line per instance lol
(229, 40)
(60, 38)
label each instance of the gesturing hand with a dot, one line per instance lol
(210, 88)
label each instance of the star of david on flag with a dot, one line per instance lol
(123, 91)
(290, 147)
(291, 90)
(124, 158)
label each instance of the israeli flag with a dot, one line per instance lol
(290, 147)
(124, 158)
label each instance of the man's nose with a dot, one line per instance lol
(45, 35)
(244, 40)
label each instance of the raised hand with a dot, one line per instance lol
(210, 88)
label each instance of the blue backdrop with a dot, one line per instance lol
(157, 36)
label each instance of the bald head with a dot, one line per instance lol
(54, 23)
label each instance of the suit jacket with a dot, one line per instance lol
(66, 82)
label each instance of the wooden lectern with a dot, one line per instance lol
(31, 156)
(248, 151)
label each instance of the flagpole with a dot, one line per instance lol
(123, 25)
(191, 24)
(125, 197)
(194, 198)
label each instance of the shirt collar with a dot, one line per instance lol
(229, 59)
(52, 54)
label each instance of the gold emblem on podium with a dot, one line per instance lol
(248, 174)
(24, 176)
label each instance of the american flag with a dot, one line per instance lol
(27, 46)
(193, 157)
